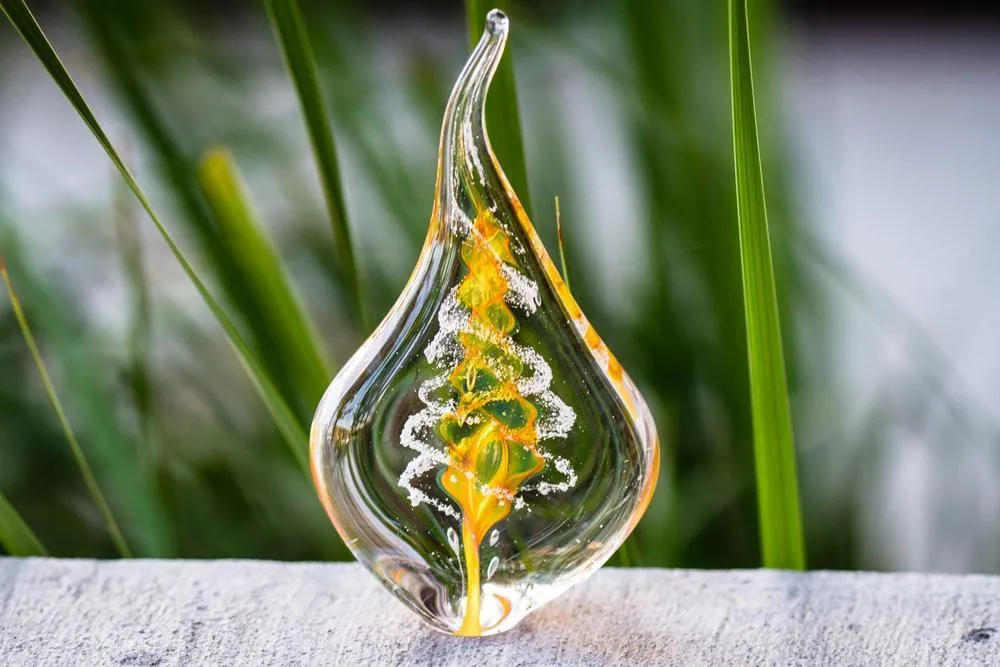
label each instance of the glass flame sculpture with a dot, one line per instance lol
(483, 450)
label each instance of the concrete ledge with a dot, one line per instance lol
(57, 612)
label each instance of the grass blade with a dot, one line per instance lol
(502, 117)
(74, 445)
(90, 383)
(259, 262)
(774, 448)
(139, 373)
(24, 22)
(16, 537)
(289, 27)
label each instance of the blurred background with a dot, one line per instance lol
(882, 152)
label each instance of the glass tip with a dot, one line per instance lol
(496, 22)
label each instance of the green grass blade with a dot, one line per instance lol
(139, 371)
(133, 264)
(74, 445)
(502, 119)
(24, 22)
(16, 537)
(140, 376)
(289, 27)
(89, 384)
(562, 245)
(774, 447)
(260, 263)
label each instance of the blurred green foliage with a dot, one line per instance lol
(191, 464)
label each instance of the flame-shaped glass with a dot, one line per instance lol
(483, 450)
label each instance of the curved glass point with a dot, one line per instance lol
(483, 451)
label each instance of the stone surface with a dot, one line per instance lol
(142, 612)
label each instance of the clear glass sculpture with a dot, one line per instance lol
(483, 450)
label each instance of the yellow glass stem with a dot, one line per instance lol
(471, 626)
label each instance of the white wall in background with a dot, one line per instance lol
(898, 134)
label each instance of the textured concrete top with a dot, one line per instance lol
(78, 612)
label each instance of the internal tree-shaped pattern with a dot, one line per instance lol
(488, 408)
